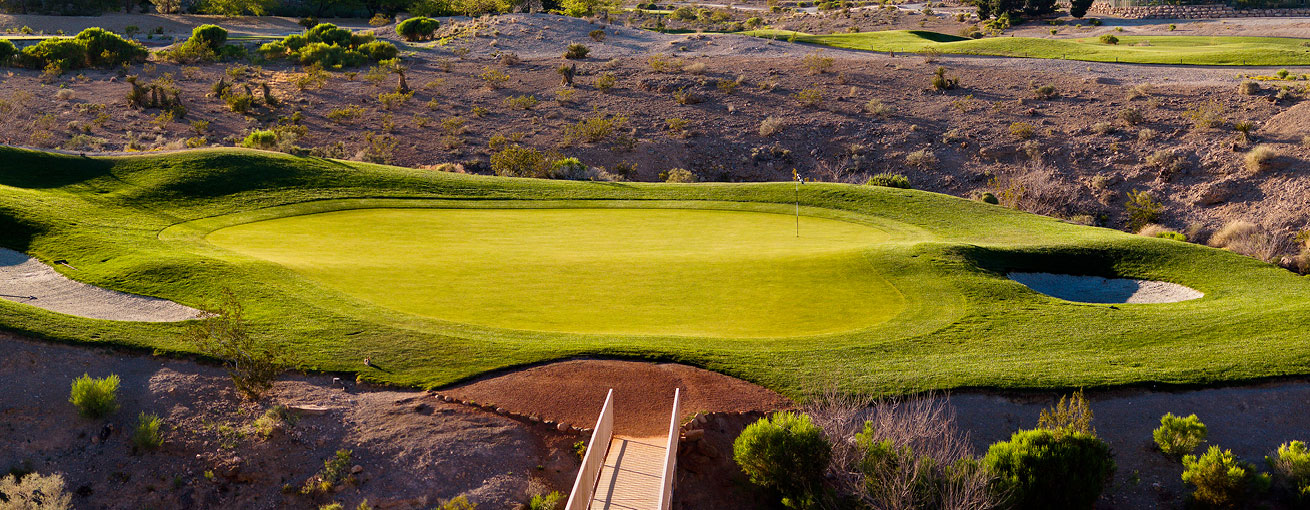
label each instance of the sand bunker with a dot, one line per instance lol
(1095, 289)
(26, 280)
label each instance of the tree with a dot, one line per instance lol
(788, 453)
(1078, 8)
(225, 335)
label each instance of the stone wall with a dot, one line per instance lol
(1193, 11)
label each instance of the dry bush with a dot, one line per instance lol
(923, 432)
(1036, 189)
(1246, 238)
(1249, 88)
(923, 159)
(34, 491)
(1152, 230)
(1260, 159)
(696, 68)
(771, 126)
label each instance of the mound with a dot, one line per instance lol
(1095, 289)
(26, 280)
(1291, 124)
(573, 392)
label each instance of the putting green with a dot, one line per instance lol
(599, 271)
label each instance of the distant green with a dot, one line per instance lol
(1138, 49)
(886, 291)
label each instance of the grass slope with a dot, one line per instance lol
(1173, 49)
(139, 224)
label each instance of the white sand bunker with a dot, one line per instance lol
(1095, 289)
(26, 280)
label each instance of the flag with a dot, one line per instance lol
(796, 176)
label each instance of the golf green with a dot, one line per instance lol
(601, 271)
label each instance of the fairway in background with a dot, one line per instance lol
(607, 271)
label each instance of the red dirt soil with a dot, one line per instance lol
(574, 391)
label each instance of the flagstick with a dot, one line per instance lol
(798, 207)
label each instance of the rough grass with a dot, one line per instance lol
(1161, 49)
(138, 224)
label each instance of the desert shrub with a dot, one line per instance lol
(887, 180)
(576, 51)
(457, 503)
(1022, 130)
(260, 139)
(1260, 159)
(811, 97)
(786, 452)
(1249, 88)
(1161, 232)
(771, 126)
(1207, 116)
(252, 364)
(147, 435)
(1220, 480)
(523, 102)
(606, 81)
(1166, 160)
(941, 82)
(817, 63)
(1071, 414)
(921, 159)
(594, 128)
(1142, 210)
(686, 96)
(1292, 466)
(876, 108)
(212, 36)
(418, 28)
(331, 47)
(93, 47)
(574, 170)
(1042, 469)
(493, 77)
(34, 491)
(988, 197)
(1109, 39)
(1251, 240)
(1179, 436)
(378, 51)
(95, 398)
(274, 419)
(1045, 92)
(550, 501)
(7, 51)
(679, 175)
(1234, 232)
(1104, 128)
(336, 469)
(519, 161)
(1132, 116)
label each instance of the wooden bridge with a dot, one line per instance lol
(626, 473)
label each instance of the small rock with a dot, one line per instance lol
(694, 435)
(357, 469)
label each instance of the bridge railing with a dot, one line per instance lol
(670, 455)
(584, 487)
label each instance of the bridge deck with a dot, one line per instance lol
(630, 478)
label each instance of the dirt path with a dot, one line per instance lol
(573, 392)
(412, 450)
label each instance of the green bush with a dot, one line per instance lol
(95, 398)
(7, 51)
(550, 501)
(1109, 39)
(1222, 481)
(786, 452)
(418, 28)
(212, 36)
(1292, 465)
(576, 51)
(330, 47)
(1179, 436)
(147, 435)
(888, 180)
(519, 161)
(93, 47)
(260, 139)
(1042, 469)
(1142, 210)
(1172, 236)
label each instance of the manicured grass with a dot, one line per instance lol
(1172, 49)
(615, 271)
(144, 224)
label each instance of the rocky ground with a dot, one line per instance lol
(704, 102)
